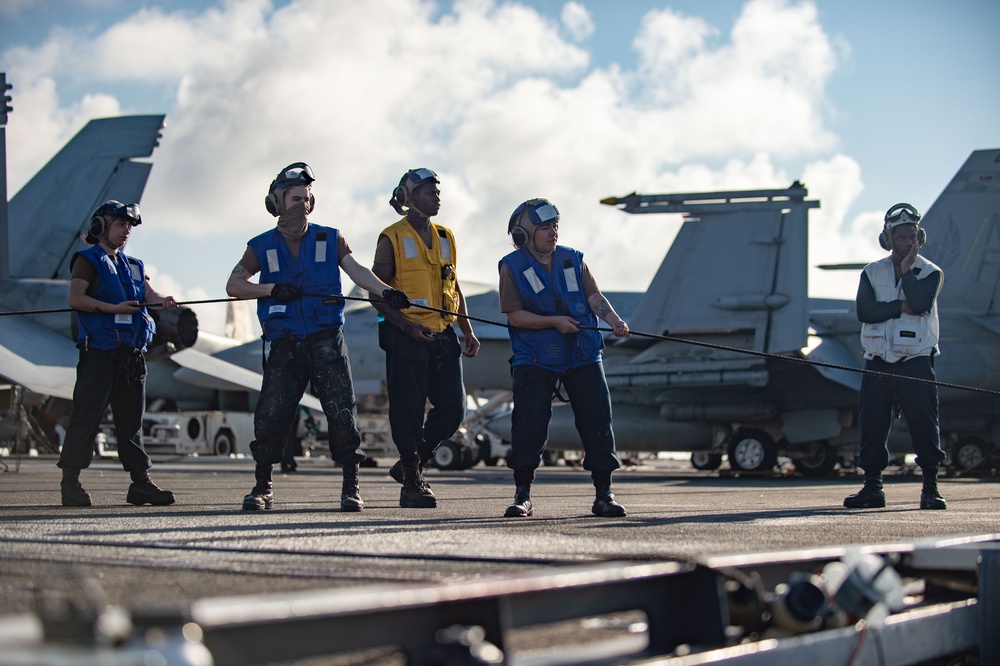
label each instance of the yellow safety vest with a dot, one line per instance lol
(427, 275)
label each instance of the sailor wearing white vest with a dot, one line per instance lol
(897, 305)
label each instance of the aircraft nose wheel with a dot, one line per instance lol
(968, 454)
(706, 460)
(752, 450)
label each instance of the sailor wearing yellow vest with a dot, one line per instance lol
(422, 352)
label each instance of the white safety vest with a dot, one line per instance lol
(909, 335)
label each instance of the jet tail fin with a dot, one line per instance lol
(48, 213)
(736, 272)
(963, 235)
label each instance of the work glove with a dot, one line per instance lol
(286, 293)
(396, 299)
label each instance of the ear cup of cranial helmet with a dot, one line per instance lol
(517, 233)
(884, 239)
(399, 195)
(271, 201)
(97, 226)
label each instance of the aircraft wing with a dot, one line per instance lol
(211, 372)
(38, 358)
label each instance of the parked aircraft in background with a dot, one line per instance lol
(39, 233)
(736, 277)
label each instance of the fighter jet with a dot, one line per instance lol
(725, 369)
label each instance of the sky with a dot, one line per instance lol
(867, 103)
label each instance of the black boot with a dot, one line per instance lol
(260, 497)
(425, 453)
(415, 494)
(521, 506)
(605, 505)
(870, 496)
(350, 493)
(930, 498)
(144, 491)
(396, 471)
(73, 493)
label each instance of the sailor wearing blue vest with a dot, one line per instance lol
(298, 260)
(897, 305)
(423, 357)
(548, 295)
(110, 292)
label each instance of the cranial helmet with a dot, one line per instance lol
(106, 213)
(536, 211)
(298, 173)
(900, 214)
(411, 180)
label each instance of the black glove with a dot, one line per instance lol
(396, 299)
(286, 293)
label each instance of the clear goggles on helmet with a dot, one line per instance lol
(894, 214)
(421, 176)
(114, 209)
(544, 213)
(296, 174)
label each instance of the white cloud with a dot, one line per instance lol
(577, 21)
(487, 93)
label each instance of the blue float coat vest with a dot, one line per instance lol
(315, 271)
(557, 293)
(120, 279)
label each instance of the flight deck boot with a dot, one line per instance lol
(73, 493)
(350, 494)
(144, 491)
(260, 497)
(930, 498)
(521, 506)
(415, 493)
(605, 505)
(425, 453)
(870, 496)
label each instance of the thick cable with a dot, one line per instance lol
(654, 336)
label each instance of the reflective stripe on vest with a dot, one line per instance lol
(316, 271)
(427, 275)
(553, 293)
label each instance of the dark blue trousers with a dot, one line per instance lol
(418, 373)
(587, 390)
(918, 402)
(107, 377)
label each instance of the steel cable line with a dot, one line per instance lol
(750, 352)
(332, 298)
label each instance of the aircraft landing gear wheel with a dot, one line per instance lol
(706, 461)
(453, 456)
(752, 450)
(224, 443)
(819, 459)
(968, 453)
